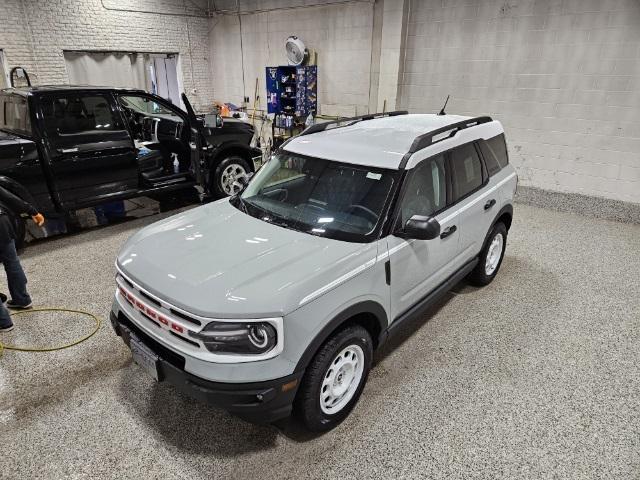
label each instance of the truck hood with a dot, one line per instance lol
(216, 261)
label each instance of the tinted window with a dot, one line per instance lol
(426, 191)
(499, 148)
(490, 159)
(466, 170)
(71, 115)
(321, 197)
(14, 113)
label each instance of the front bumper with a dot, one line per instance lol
(259, 402)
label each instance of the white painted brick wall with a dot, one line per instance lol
(340, 34)
(562, 75)
(57, 25)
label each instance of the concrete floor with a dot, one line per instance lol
(534, 376)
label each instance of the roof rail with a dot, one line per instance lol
(320, 127)
(427, 139)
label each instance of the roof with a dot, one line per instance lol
(380, 142)
(24, 91)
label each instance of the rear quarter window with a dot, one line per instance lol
(498, 147)
(14, 114)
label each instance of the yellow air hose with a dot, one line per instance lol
(97, 321)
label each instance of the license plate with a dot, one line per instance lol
(145, 358)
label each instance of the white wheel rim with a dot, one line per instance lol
(230, 178)
(341, 380)
(494, 254)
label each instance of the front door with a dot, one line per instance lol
(419, 266)
(90, 152)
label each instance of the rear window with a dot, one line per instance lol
(14, 114)
(499, 148)
(467, 170)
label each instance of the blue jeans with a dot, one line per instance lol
(5, 317)
(16, 278)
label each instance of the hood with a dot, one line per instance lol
(216, 261)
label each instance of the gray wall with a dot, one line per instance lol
(34, 34)
(341, 34)
(562, 75)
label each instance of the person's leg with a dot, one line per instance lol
(5, 319)
(16, 278)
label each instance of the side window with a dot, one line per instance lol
(79, 114)
(466, 171)
(14, 114)
(426, 191)
(499, 148)
(490, 158)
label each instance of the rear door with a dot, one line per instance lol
(89, 149)
(419, 266)
(474, 197)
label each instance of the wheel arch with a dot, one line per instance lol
(369, 314)
(225, 151)
(505, 215)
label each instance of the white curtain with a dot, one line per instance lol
(109, 69)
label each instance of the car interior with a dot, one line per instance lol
(160, 137)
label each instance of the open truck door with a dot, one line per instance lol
(197, 145)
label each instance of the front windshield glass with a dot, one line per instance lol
(319, 197)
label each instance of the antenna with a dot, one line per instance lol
(444, 106)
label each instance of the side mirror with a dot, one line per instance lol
(212, 120)
(421, 228)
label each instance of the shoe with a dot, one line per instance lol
(3, 298)
(15, 306)
(7, 328)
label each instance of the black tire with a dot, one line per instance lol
(307, 404)
(215, 182)
(482, 275)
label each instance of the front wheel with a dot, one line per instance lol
(227, 178)
(490, 257)
(335, 378)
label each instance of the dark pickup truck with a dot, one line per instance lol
(64, 148)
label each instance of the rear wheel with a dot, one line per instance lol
(490, 257)
(228, 176)
(335, 378)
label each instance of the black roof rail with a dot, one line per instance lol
(320, 127)
(425, 140)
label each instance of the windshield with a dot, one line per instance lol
(319, 197)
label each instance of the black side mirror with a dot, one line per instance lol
(421, 228)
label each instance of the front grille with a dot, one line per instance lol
(185, 317)
(163, 352)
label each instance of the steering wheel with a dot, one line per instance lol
(368, 213)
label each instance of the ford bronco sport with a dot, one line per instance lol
(274, 300)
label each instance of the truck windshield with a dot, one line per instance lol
(320, 197)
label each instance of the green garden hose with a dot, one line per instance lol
(96, 319)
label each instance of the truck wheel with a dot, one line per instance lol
(225, 180)
(490, 257)
(334, 379)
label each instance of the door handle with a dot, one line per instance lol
(489, 204)
(67, 150)
(448, 231)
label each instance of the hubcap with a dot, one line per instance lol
(494, 254)
(230, 178)
(341, 379)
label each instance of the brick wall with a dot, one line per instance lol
(35, 33)
(562, 75)
(341, 35)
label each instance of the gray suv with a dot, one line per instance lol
(275, 300)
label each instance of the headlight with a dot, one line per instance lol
(249, 338)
